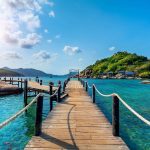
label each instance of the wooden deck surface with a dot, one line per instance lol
(76, 123)
(36, 86)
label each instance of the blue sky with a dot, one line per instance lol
(55, 36)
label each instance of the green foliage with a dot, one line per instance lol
(121, 61)
(145, 75)
(4, 72)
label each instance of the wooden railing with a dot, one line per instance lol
(53, 95)
(115, 109)
(19, 81)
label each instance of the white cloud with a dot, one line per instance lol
(71, 50)
(31, 40)
(42, 55)
(49, 41)
(112, 48)
(12, 38)
(11, 55)
(51, 14)
(45, 30)
(19, 18)
(50, 3)
(45, 56)
(58, 36)
(32, 21)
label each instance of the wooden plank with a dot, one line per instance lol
(76, 123)
(37, 87)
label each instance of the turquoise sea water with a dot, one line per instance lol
(134, 132)
(17, 134)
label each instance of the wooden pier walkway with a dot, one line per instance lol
(32, 85)
(76, 123)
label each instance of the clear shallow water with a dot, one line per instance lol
(134, 132)
(17, 134)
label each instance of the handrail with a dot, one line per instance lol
(89, 85)
(105, 95)
(23, 110)
(133, 111)
(39, 100)
(19, 112)
(123, 102)
(55, 92)
(126, 105)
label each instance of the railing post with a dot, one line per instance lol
(25, 92)
(21, 83)
(59, 90)
(86, 86)
(51, 88)
(38, 120)
(51, 103)
(51, 92)
(115, 116)
(40, 82)
(18, 82)
(5, 79)
(10, 80)
(93, 93)
(64, 86)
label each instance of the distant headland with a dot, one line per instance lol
(25, 72)
(120, 65)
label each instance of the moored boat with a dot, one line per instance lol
(146, 82)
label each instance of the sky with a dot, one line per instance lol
(57, 35)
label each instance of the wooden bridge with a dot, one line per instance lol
(31, 85)
(76, 123)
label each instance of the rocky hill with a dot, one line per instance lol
(121, 61)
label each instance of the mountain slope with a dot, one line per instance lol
(121, 61)
(8, 73)
(29, 72)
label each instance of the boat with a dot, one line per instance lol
(146, 82)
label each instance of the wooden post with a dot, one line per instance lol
(21, 83)
(51, 103)
(25, 92)
(40, 82)
(38, 120)
(10, 80)
(5, 79)
(59, 90)
(64, 86)
(51, 88)
(78, 75)
(115, 116)
(51, 92)
(93, 93)
(86, 86)
(18, 82)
